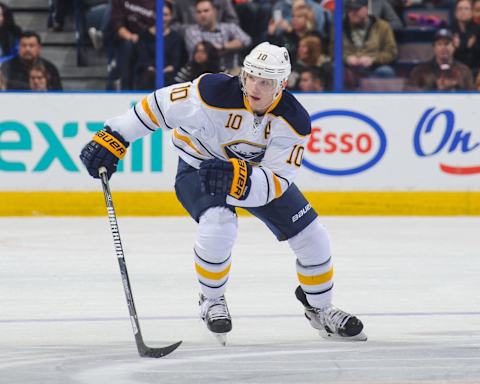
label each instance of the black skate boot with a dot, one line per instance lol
(214, 312)
(332, 322)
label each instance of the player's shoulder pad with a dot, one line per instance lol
(290, 109)
(220, 91)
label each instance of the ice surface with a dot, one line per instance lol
(63, 318)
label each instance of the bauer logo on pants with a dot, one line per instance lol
(300, 213)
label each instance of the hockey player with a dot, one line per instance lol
(240, 142)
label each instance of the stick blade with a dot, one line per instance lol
(145, 351)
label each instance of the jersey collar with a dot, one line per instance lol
(271, 108)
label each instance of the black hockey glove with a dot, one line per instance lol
(105, 149)
(220, 177)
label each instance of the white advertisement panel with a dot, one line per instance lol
(374, 142)
(41, 137)
(393, 142)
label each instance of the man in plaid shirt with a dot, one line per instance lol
(228, 38)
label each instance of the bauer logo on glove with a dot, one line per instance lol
(240, 178)
(105, 150)
(113, 144)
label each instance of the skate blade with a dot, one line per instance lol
(221, 338)
(330, 336)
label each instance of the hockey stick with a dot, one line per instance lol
(143, 350)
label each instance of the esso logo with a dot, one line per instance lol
(343, 143)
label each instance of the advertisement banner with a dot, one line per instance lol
(41, 137)
(392, 142)
(372, 142)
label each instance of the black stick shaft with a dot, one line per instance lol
(143, 350)
(117, 243)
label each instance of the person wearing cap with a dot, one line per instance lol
(442, 72)
(369, 45)
(240, 141)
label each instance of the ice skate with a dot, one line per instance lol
(332, 323)
(214, 312)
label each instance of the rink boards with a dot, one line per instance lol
(378, 154)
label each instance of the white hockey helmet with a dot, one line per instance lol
(267, 61)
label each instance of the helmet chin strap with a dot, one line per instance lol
(278, 92)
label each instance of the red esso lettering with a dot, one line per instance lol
(313, 141)
(346, 139)
(363, 143)
(333, 143)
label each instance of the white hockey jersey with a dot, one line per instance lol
(211, 118)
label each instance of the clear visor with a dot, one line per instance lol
(265, 85)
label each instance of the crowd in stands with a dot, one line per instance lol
(415, 45)
(23, 69)
(9, 33)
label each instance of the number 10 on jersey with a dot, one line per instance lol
(296, 155)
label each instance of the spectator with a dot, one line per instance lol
(311, 80)
(205, 60)
(174, 55)
(476, 12)
(185, 13)
(131, 22)
(310, 52)
(368, 44)
(38, 78)
(98, 24)
(477, 82)
(309, 55)
(322, 17)
(3, 85)
(443, 72)
(382, 9)
(174, 47)
(227, 38)
(16, 70)
(466, 36)
(9, 34)
(145, 72)
(57, 13)
(288, 35)
(399, 6)
(89, 17)
(100, 30)
(254, 16)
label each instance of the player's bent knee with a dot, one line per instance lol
(216, 235)
(311, 245)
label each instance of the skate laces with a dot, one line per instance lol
(215, 309)
(333, 318)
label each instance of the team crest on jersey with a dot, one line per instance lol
(244, 150)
